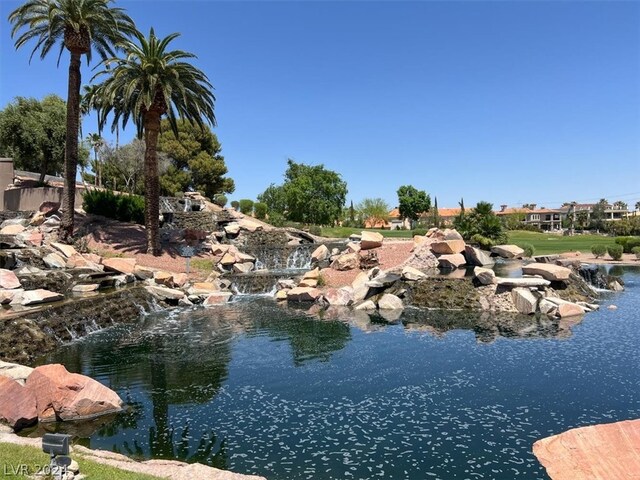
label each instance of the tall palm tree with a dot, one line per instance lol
(78, 26)
(150, 82)
(97, 142)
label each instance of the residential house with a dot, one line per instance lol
(543, 218)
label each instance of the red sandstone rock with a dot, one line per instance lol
(69, 396)
(121, 265)
(17, 404)
(598, 452)
(49, 207)
(8, 279)
(448, 247)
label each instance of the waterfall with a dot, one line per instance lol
(283, 258)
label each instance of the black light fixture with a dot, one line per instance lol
(57, 445)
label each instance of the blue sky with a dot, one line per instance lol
(509, 102)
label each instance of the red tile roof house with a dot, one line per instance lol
(547, 219)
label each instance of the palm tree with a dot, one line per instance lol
(152, 81)
(96, 142)
(79, 26)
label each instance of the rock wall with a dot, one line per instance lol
(27, 336)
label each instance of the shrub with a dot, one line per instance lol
(529, 249)
(598, 250)
(246, 206)
(483, 242)
(628, 243)
(420, 232)
(260, 210)
(220, 199)
(235, 204)
(277, 219)
(124, 207)
(636, 252)
(615, 251)
(315, 230)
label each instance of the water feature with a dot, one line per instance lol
(256, 387)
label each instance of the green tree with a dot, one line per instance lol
(32, 132)
(79, 26)
(97, 143)
(260, 210)
(148, 83)
(480, 221)
(376, 210)
(598, 214)
(412, 202)
(196, 153)
(275, 199)
(246, 206)
(315, 195)
(123, 168)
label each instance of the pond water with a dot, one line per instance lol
(258, 388)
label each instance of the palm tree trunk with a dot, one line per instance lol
(152, 182)
(71, 149)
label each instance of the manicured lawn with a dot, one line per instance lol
(344, 232)
(547, 243)
(13, 456)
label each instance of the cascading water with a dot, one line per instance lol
(283, 258)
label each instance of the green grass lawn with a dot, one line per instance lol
(12, 456)
(344, 232)
(548, 243)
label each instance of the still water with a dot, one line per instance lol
(258, 388)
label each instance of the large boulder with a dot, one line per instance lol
(525, 301)
(339, 296)
(162, 277)
(369, 240)
(359, 286)
(390, 302)
(348, 261)
(78, 261)
(507, 251)
(452, 261)
(120, 265)
(548, 271)
(66, 250)
(217, 298)
(383, 280)
(412, 274)
(303, 294)
(17, 372)
(8, 279)
(570, 310)
(448, 247)
(12, 229)
(244, 267)
(17, 404)
(53, 260)
(320, 254)
(49, 208)
(35, 297)
(485, 276)
(228, 259)
(249, 225)
(232, 229)
(143, 273)
(69, 396)
(164, 293)
(477, 257)
(451, 234)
